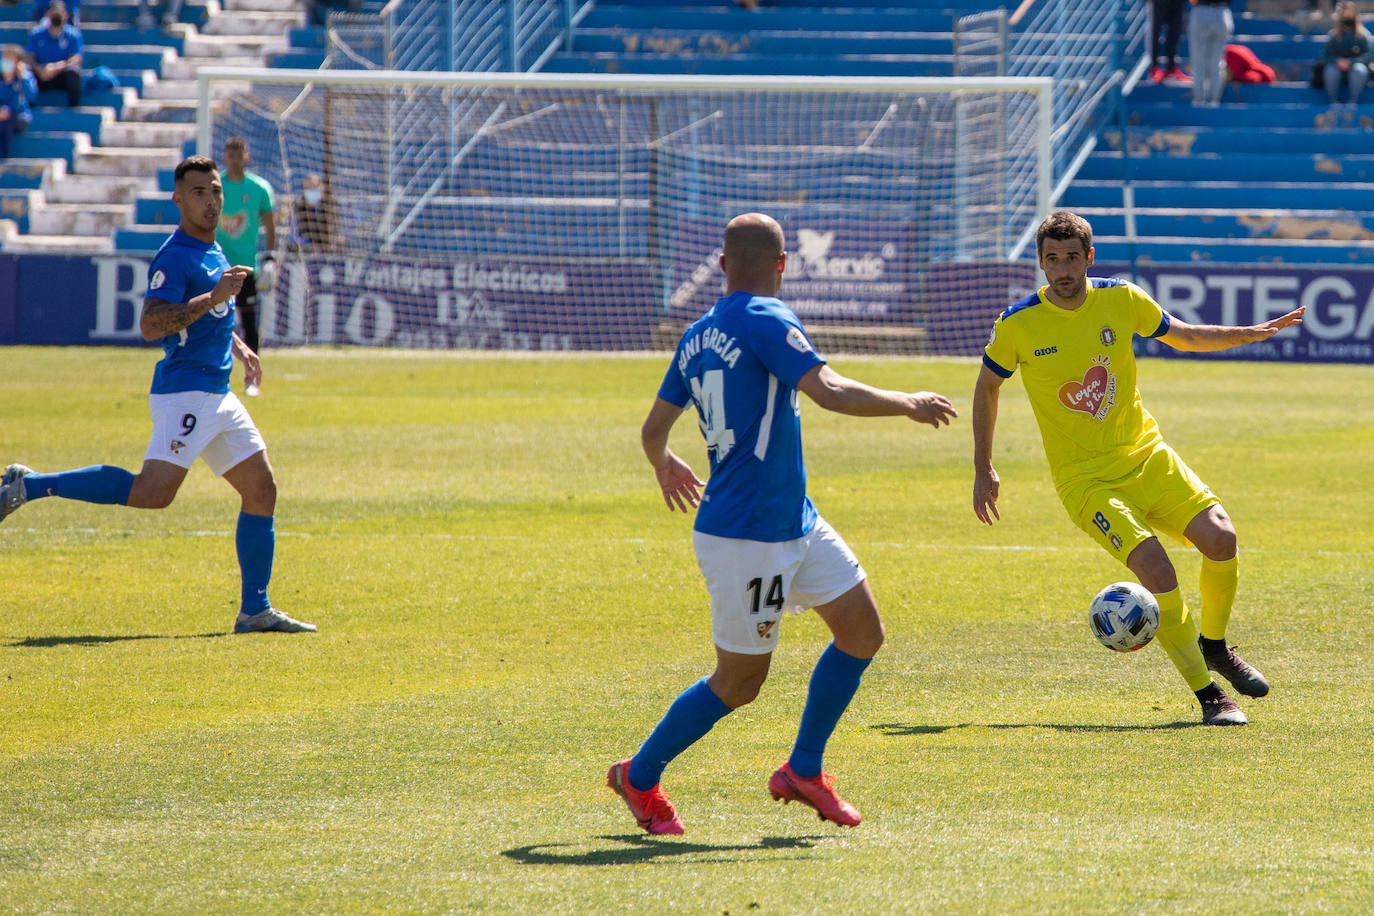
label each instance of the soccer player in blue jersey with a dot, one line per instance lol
(189, 306)
(759, 541)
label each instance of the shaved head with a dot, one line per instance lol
(754, 254)
(752, 240)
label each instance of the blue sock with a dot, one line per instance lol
(256, 541)
(696, 710)
(99, 483)
(833, 684)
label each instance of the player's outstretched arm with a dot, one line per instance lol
(844, 395)
(160, 317)
(681, 488)
(1206, 338)
(986, 484)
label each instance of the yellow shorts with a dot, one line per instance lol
(1163, 494)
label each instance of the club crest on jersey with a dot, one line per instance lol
(176, 446)
(1107, 336)
(765, 628)
(1095, 394)
(158, 279)
(797, 340)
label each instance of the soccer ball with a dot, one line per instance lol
(1124, 617)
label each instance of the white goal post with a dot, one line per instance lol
(584, 211)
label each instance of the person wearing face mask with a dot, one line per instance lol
(54, 53)
(17, 90)
(1346, 57)
(317, 217)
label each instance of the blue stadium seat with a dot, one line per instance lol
(812, 37)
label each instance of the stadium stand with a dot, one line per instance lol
(1274, 175)
(79, 177)
(1271, 176)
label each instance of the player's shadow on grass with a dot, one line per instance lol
(640, 848)
(900, 730)
(48, 642)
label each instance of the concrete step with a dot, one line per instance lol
(66, 244)
(216, 46)
(254, 23)
(184, 68)
(169, 111)
(98, 189)
(189, 89)
(261, 6)
(147, 134)
(79, 219)
(126, 161)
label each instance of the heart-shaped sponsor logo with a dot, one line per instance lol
(1094, 395)
(233, 225)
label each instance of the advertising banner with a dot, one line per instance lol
(464, 303)
(1338, 326)
(838, 271)
(614, 304)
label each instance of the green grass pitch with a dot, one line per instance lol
(505, 607)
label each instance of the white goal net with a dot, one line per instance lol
(551, 211)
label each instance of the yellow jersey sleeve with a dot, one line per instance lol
(1150, 318)
(1001, 354)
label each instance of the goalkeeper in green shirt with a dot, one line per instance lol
(247, 212)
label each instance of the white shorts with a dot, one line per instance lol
(752, 582)
(192, 424)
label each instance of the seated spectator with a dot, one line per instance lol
(316, 221)
(147, 20)
(40, 9)
(317, 10)
(17, 89)
(1346, 55)
(54, 54)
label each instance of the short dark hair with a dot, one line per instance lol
(194, 164)
(236, 143)
(1062, 225)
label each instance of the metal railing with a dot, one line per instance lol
(454, 35)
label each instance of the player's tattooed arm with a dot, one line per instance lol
(160, 317)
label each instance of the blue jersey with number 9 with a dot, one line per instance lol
(740, 364)
(200, 356)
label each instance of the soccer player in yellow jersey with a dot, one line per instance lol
(1116, 476)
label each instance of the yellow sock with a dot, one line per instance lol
(1178, 636)
(1218, 583)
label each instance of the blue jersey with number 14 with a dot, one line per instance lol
(200, 356)
(740, 364)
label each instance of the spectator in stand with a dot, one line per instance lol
(1209, 32)
(316, 218)
(54, 53)
(147, 20)
(17, 90)
(317, 10)
(1166, 19)
(40, 9)
(1347, 55)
